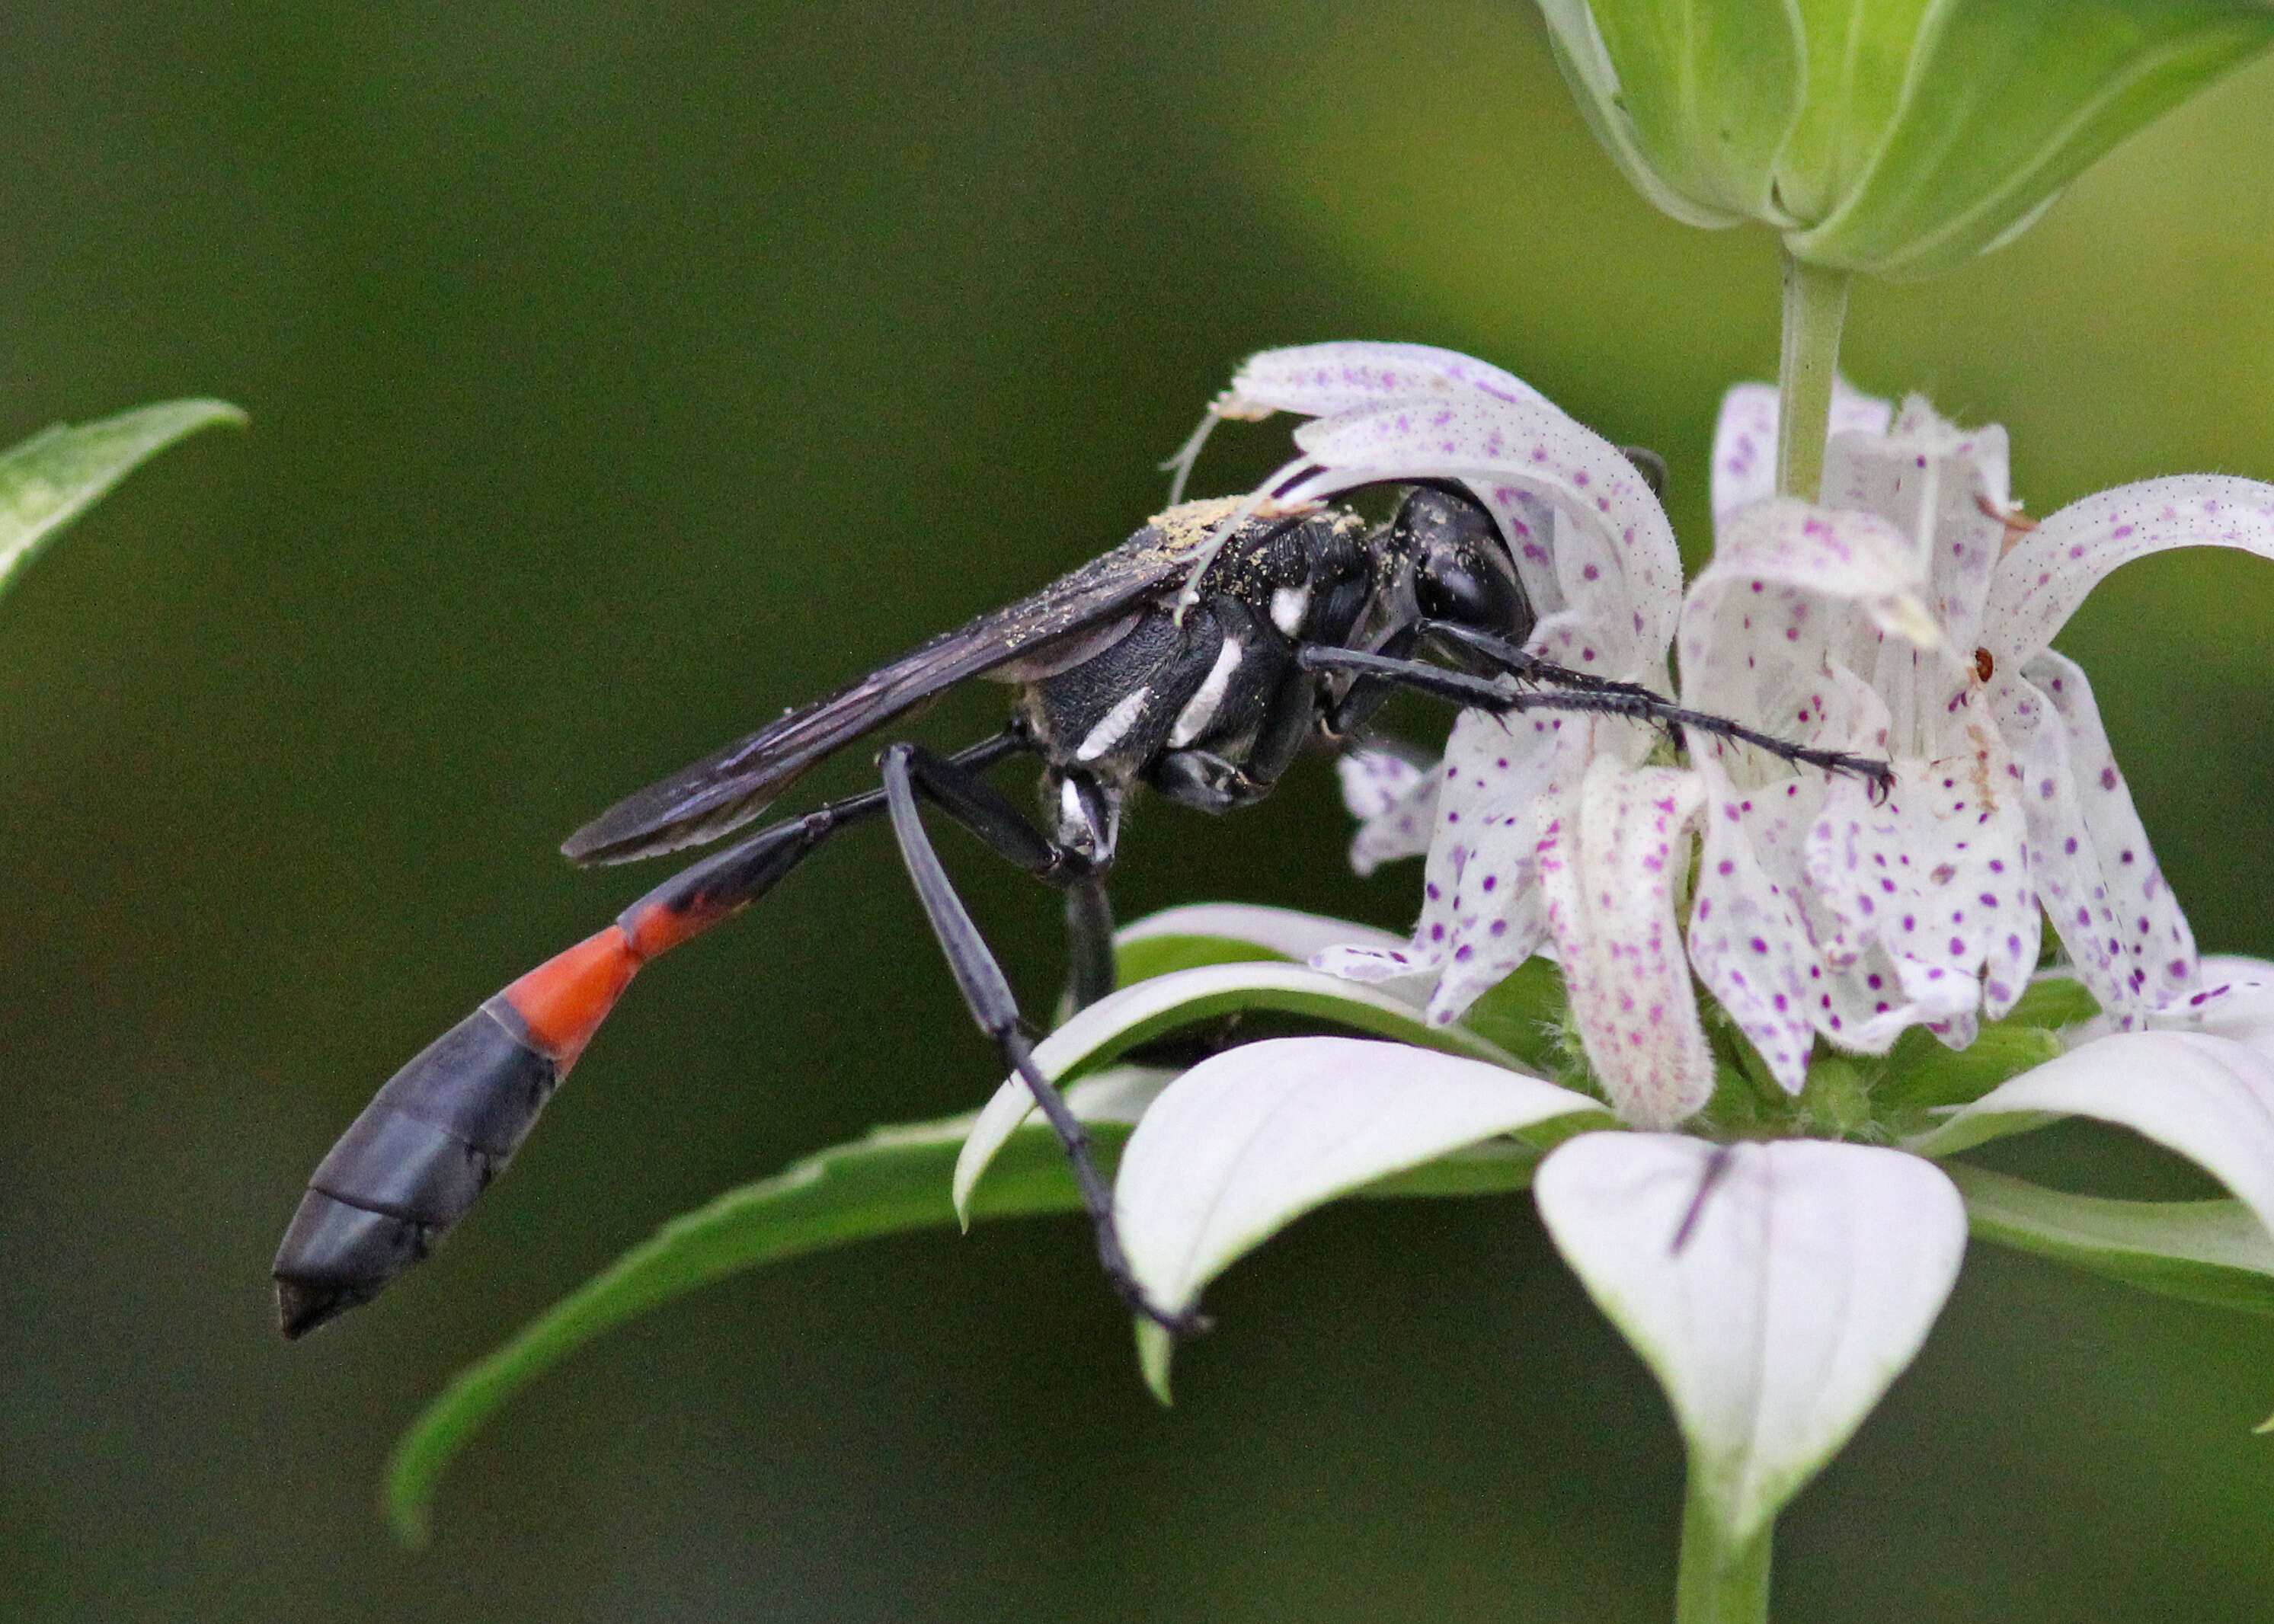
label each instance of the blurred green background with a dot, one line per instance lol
(620, 374)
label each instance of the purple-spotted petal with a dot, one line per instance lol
(1611, 855)
(2040, 584)
(1394, 801)
(1481, 914)
(1745, 440)
(1748, 932)
(1937, 875)
(2236, 1001)
(1614, 553)
(1808, 1280)
(1945, 488)
(2090, 860)
(1319, 381)
(1790, 584)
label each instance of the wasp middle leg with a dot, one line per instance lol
(909, 771)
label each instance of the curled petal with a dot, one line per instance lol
(1319, 381)
(1610, 857)
(2040, 584)
(1807, 1281)
(2089, 856)
(1247, 1141)
(1745, 440)
(2210, 1099)
(1618, 567)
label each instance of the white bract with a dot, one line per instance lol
(1776, 1284)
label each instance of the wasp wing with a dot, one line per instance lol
(734, 784)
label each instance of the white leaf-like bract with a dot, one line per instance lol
(1288, 932)
(1120, 1022)
(2211, 1099)
(1248, 1140)
(1808, 1279)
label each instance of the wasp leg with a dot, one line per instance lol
(445, 1126)
(1527, 666)
(1641, 704)
(1090, 971)
(1717, 1167)
(910, 769)
(1345, 716)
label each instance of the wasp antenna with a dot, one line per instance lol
(1649, 465)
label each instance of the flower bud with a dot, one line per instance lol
(1897, 137)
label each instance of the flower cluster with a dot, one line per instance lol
(1777, 1265)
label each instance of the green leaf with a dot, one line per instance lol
(1155, 956)
(1897, 137)
(1920, 1074)
(59, 473)
(2205, 1252)
(2006, 102)
(1699, 95)
(893, 1181)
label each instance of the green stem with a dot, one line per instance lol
(1814, 306)
(1722, 1581)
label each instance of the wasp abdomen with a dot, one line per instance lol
(409, 1166)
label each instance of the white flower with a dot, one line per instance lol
(1899, 620)
(1819, 913)
(1597, 557)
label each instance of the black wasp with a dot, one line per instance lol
(1301, 625)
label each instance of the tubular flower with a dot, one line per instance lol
(1819, 913)
(1907, 617)
(1597, 557)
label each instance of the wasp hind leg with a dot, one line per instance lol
(911, 770)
